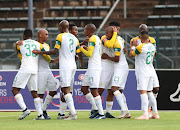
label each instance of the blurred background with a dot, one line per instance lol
(161, 16)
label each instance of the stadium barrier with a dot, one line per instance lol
(168, 98)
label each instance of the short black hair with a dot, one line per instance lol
(71, 26)
(114, 23)
(28, 33)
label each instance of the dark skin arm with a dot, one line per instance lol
(85, 41)
(55, 60)
(52, 52)
(80, 59)
(130, 53)
(105, 56)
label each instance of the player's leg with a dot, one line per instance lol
(94, 79)
(51, 86)
(32, 85)
(62, 108)
(20, 81)
(142, 85)
(66, 79)
(152, 100)
(109, 104)
(88, 95)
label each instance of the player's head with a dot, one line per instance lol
(64, 26)
(116, 24)
(42, 35)
(89, 29)
(144, 36)
(109, 32)
(27, 34)
(73, 29)
(143, 27)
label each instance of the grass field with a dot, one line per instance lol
(169, 120)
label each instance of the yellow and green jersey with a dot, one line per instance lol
(68, 46)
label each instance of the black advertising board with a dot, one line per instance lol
(169, 92)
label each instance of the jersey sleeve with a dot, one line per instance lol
(47, 57)
(19, 52)
(117, 48)
(110, 43)
(103, 37)
(58, 41)
(77, 47)
(138, 50)
(153, 41)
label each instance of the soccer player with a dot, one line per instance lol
(144, 73)
(108, 67)
(67, 45)
(46, 79)
(92, 76)
(155, 77)
(120, 71)
(27, 74)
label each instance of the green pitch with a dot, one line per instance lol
(169, 120)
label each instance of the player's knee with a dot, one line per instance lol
(15, 91)
(156, 90)
(52, 93)
(84, 90)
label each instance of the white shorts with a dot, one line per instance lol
(155, 81)
(145, 83)
(23, 79)
(46, 81)
(106, 79)
(67, 78)
(119, 78)
(92, 78)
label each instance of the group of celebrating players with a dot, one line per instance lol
(107, 69)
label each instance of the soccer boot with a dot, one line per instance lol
(94, 113)
(46, 116)
(155, 116)
(108, 115)
(68, 115)
(60, 116)
(100, 117)
(24, 114)
(123, 114)
(71, 117)
(128, 115)
(143, 117)
(41, 117)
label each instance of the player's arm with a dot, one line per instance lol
(55, 60)
(110, 43)
(18, 52)
(135, 50)
(78, 51)
(90, 49)
(117, 49)
(85, 41)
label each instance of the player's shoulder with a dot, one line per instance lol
(137, 37)
(152, 39)
(104, 36)
(46, 45)
(93, 38)
(120, 39)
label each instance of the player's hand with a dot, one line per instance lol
(85, 47)
(114, 29)
(36, 51)
(134, 42)
(19, 43)
(104, 40)
(56, 60)
(104, 56)
(76, 57)
(87, 39)
(124, 50)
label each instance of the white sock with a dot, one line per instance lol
(124, 98)
(152, 101)
(98, 102)
(63, 107)
(70, 103)
(20, 101)
(120, 100)
(47, 102)
(90, 98)
(41, 100)
(37, 105)
(109, 105)
(144, 103)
